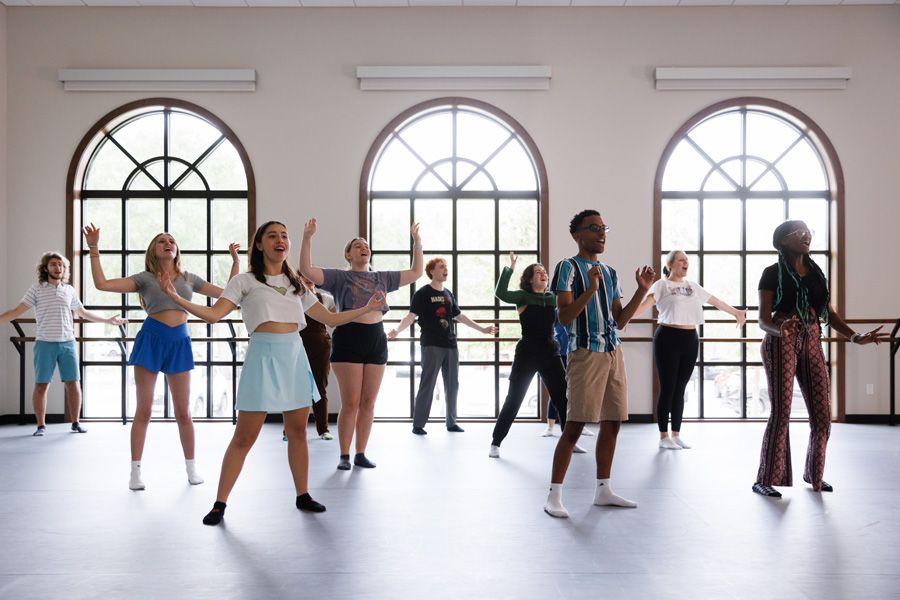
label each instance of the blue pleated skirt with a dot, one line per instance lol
(276, 376)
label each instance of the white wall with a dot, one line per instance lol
(5, 346)
(601, 127)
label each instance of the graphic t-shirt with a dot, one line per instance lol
(436, 310)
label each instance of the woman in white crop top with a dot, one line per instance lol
(675, 342)
(163, 344)
(276, 376)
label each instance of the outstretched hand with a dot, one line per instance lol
(392, 334)
(512, 261)
(117, 320)
(377, 301)
(645, 276)
(740, 317)
(414, 232)
(91, 235)
(872, 337)
(233, 248)
(490, 329)
(310, 228)
(166, 285)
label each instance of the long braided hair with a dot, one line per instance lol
(257, 263)
(787, 272)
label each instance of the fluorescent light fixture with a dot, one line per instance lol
(752, 78)
(158, 80)
(448, 77)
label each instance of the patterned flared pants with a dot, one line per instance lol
(784, 358)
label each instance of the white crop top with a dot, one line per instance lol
(260, 302)
(679, 302)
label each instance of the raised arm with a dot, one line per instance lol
(489, 329)
(417, 267)
(14, 313)
(233, 248)
(326, 317)
(98, 318)
(623, 314)
(401, 327)
(314, 274)
(648, 301)
(502, 290)
(739, 315)
(122, 285)
(211, 314)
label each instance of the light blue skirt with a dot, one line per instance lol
(276, 376)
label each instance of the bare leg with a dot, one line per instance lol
(39, 400)
(564, 448)
(371, 383)
(247, 430)
(606, 447)
(145, 382)
(298, 452)
(180, 386)
(350, 379)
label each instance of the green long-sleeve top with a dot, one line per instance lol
(521, 297)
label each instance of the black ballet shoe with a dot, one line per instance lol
(215, 516)
(765, 490)
(305, 502)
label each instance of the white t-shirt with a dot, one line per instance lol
(260, 302)
(53, 306)
(679, 302)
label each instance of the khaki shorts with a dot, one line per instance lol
(596, 386)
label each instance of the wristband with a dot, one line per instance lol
(855, 337)
(417, 246)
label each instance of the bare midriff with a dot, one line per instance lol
(276, 327)
(678, 326)
(370, 318)
(171, 317)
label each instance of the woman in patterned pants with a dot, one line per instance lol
(793, 299)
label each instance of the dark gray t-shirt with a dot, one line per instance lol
(352, 289)
(155, 300)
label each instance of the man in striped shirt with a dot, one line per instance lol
(590, 307)
(54, 300)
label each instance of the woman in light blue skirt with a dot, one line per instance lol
(276, 376)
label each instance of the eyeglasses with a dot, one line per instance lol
(801, 233)
(593, 227)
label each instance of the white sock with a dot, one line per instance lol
(604, 496)
(554, 506)
(135, 482)
(495, 452)
(578, 450)
(194, 478)
(677, 439)
(668, 444)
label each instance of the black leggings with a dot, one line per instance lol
(675, 352)
(529, 360)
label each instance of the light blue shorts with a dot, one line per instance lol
(162, 349)
(47, 355)
(276, 376)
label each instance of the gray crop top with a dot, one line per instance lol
(155, 300)
(352, 289)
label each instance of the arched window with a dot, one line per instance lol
(727, 178)
(151, 166)
(474, 179)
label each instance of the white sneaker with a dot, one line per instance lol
(135, 482)
(667, 444)
(326, 436)
(495, 452)
(547, 432)
(587, 432)
(677, 439)
(579, 450)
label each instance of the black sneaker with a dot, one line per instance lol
(360, 460)
(344, 464)
(77, 428)
(40, 431)
(456, 429)
(419, 431)
(765, 490)
(305, 502)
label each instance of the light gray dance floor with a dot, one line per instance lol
(439, 519)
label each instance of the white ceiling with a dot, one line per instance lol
(405, 3)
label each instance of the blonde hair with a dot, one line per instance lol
(44, 273)
(670, 258)
(151, 263)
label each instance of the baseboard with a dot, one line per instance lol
(869, 419)
(29, 419)
(642, 418)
